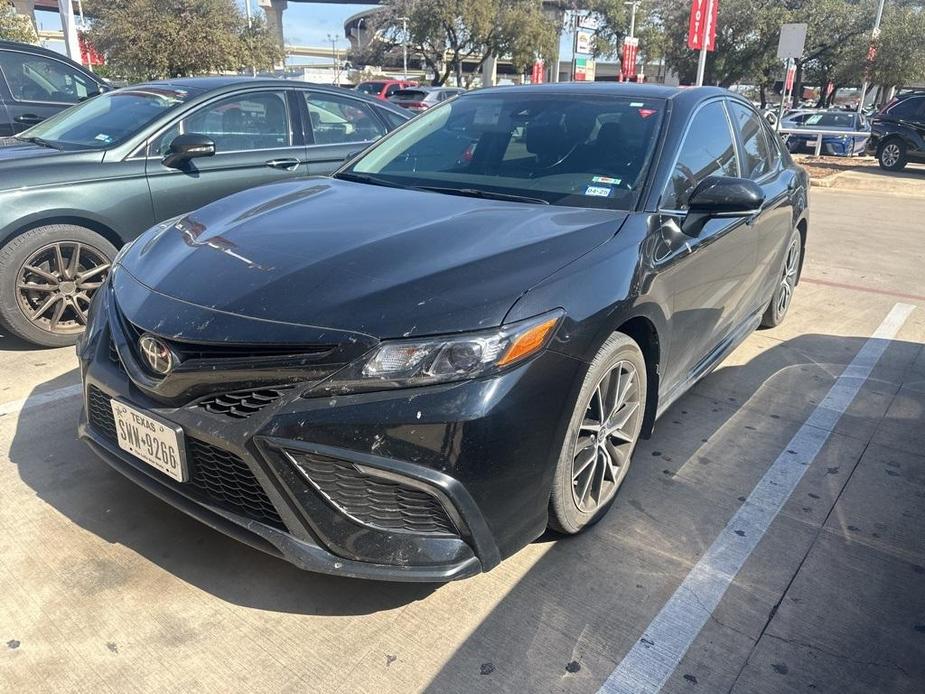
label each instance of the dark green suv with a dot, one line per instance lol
(76, 187)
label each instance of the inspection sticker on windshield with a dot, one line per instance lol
(598, 191)
(487, 114)
(606, 179)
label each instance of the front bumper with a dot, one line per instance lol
(479, 455)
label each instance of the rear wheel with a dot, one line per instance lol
(783, 294)
(601, 437)
(892, 155)
(48, 276)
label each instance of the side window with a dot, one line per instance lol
(337, 120)
(36, 78)
(239, 123)
(756, 153)
(910, 108)
(391, 90)
(393, 119)
(707, 151)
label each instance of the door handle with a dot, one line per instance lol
(284, 164)
(29, 118)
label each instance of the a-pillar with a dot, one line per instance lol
(274, 11)
(26, 7)
(489, 71)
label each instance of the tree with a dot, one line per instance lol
(900, 56)
(15, 27)
(151, 39)
(447, 33)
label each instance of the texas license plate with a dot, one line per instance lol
(152, 440)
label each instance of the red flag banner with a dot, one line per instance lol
(628, 59)
(701, 23)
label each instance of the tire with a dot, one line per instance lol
(892, 155)
(780, 302)
(69, 288)
(572, 505)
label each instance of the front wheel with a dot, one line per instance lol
(48, 276)
(783, 293)
(602, 434)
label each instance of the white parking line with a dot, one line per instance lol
(654, 657)
(40, 399)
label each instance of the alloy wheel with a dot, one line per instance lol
(606, 437)
(789, 279)
(890, 155)
(56, 283)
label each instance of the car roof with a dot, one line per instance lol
(203, 85)
(626, 89)
(41, 50)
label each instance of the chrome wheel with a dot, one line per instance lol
(56, 283)
(789, 279)
(890, 154)
(606, 437)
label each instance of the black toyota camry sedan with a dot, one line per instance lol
(410, 369)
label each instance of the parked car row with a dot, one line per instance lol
(839, 144)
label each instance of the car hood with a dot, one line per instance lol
(382, 261)
(26, 164)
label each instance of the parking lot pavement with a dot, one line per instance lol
(769, 538)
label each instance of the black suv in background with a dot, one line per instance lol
(36, 83)
(897, 134)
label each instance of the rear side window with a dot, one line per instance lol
(756, 151)
(707, 150)
(337, 120)
(908, 108)
(37, 78)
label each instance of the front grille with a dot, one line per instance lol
(376, 502)
(216, 475)
(243, 404)
(227, 479)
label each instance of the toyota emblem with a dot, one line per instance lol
(157, 354)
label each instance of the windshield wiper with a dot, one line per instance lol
(41, 141)
(366, 178)
(487, 194)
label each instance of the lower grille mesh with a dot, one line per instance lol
(216, 475)
(376, 502)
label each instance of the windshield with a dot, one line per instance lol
(564, 149)
(370, 87)
(108, 119)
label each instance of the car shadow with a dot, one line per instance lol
(11, 343)
(65, 474)
(574, 614)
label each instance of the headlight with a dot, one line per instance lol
(429, 360)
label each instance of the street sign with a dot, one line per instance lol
(792, 39)
(701, 23)
(583, 42)
(588, 22)
(628, 59)
(584, 70)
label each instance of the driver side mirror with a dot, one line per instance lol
(721, 197)
(186, 147)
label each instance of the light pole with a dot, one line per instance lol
(873, 37)
(404, 47)
(633, 5)
(333, 40)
